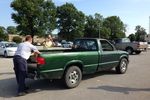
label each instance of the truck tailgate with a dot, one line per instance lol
(143, 45)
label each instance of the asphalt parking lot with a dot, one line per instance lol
(107, 85)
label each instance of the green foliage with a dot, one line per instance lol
(140, 33)
(17, 39)
(2, 30)
(116, 27)
(105, 33)
(3, 35)
(132, 37)
(34, 17)
(70, 22)
(11, 30)
(38, 17)
(94, 27)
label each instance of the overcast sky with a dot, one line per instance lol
(131, 12)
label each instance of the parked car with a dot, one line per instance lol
(7, 48)
(87, 56)
(66, 44)
(57, 44)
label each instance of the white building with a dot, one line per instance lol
(147, 38)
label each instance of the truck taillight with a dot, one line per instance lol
(40, 60)
(138, 45)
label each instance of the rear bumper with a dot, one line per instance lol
(141, 49)
(33, 71)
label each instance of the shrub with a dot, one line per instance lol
(17, 39)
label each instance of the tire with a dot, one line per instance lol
(5, 54)
(122, 67)
(137, 52)
(72, 77)
(129, 50)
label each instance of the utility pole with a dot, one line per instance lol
(99, 34)
(149, 24)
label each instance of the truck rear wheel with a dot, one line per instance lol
(129, 50)
(72, 77)
(122, 67)
(137, 52)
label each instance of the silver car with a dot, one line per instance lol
(7, 48)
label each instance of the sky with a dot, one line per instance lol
(131, 12)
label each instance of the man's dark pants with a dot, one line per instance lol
(20, 68)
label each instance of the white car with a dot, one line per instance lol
(67, 44)
(7, 48)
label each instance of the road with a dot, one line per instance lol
(134, 85)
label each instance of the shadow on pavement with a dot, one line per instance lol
(125, 90)
(101, 73)
(2, 57)
(7, 73)
(8, 87)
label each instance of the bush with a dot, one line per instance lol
(3, 37)
(17, 39)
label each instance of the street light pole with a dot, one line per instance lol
(99, 31)
(149, 24)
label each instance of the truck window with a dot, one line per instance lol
(106, 46)
(125, 40)
(86, 45)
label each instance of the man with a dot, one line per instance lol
(20, 63)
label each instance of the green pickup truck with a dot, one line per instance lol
(88, 55)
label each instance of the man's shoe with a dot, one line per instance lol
(27, 89)
(21, 94)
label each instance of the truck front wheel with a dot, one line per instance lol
(72, 77)
(122, 67)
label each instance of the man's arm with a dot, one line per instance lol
(35, 50)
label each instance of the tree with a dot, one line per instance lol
(132, 37)
(140, 33)
(34, 17)
(70, 22)
(3, 35)
(116, 27)
(94, 27)
(11, 30)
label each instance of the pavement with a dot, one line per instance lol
(106, 85)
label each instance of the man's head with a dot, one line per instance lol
(28, 38)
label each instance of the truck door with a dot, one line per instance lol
(88, 54)
(108, 55)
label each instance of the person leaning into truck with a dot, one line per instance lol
(48, 43)
(20, 63)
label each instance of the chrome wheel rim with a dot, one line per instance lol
(73, 77)
(123, 66)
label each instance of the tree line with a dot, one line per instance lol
(40, 17)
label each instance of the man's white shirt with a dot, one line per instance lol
(24, 49)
